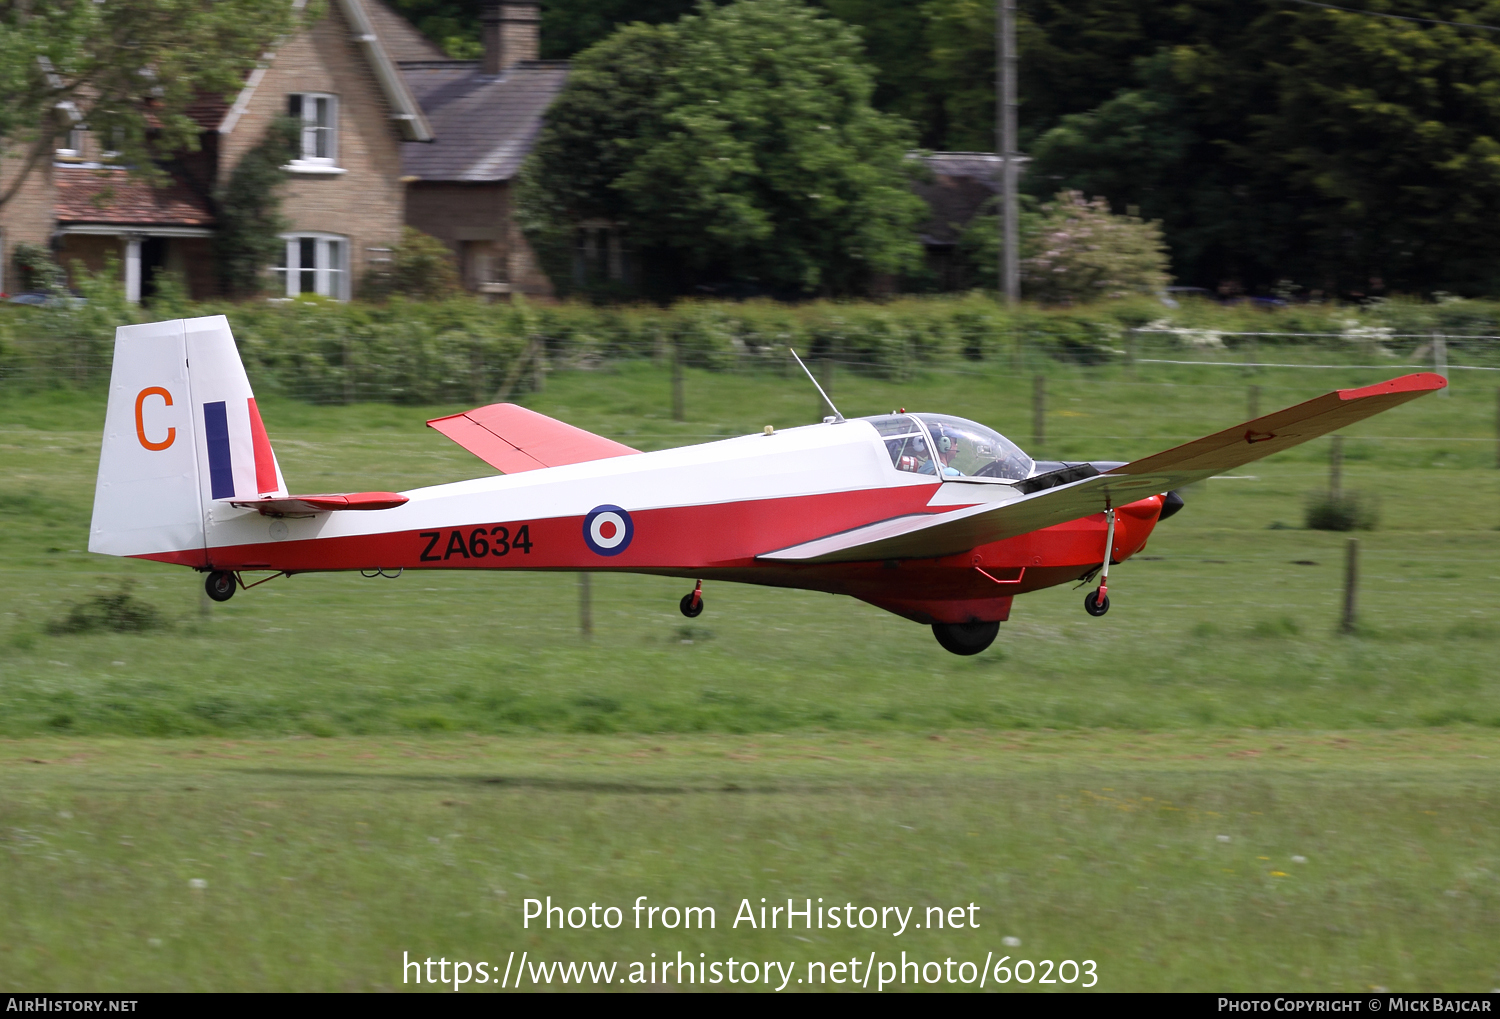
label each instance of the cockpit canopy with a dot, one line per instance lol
(964, 448)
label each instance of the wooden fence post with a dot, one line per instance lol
(679, 407)
(1038, 414)
(1351, 586)
(825, 379)
(1253, 404)
(1440, 359)
(1336, 468)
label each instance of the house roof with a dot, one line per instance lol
(485, 125)
(374, 31)
(400, 38)
(961, 184)
(113, 197)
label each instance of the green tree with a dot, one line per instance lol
(128, 69)
(1350, 153)
(737, 144)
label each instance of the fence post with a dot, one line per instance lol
(585, 605)
(1253, 403)
(349, 391)
(679, 409)
(205, 603)
(1038, 414)
(1336, 469)
(1440, 359)
(825, 379)
(1130, 352)
(1351, 586)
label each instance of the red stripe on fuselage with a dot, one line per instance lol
(721, 541)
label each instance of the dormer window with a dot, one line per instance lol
(71, 143)
(319, 114)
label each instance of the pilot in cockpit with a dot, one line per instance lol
(947, 449)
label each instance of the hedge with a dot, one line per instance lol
(463, 349)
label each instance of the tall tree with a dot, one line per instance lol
(736, 144)
(128, 69)
(1345, 152)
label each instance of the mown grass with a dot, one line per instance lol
(1272, 860)
(1228, 618)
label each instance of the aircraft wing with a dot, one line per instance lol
(929, 535)
(512, 439)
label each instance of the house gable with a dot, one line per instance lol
(354, 198)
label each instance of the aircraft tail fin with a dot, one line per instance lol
(181, 430)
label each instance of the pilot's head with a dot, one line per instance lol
(947, 446)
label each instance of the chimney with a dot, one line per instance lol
(510, 34)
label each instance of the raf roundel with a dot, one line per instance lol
(607, 530)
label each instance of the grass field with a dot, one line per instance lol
(1230, 861)
(477, 750)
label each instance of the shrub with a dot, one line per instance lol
(1346, 511)
(121, 612)
(422, 268)
(1082, 252)
(38, 270)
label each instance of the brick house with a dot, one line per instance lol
(393, 134)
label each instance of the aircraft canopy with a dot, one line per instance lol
(965, 448)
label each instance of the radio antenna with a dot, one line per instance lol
(837, 417)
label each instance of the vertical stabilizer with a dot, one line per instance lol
(182, 430)
(146, 496)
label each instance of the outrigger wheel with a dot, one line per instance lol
(965, 638)
(220, 585)
(692, 602)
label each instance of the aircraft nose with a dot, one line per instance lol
(1170, 504)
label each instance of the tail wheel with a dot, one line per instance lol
(220, 585)
(965, 638)
(691, 605)
(1093, 605)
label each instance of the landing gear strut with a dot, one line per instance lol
(1096, 603)
(692, 604)
(220, 585)
(965, 638)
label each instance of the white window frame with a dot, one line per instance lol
(307, 159)
(329, 279)
(73, 140)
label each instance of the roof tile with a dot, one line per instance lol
(485, 125)
(112, 196)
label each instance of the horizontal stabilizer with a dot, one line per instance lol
(922, 536)
(512, 439)
(298, 505)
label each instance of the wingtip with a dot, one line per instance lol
(1420, 382)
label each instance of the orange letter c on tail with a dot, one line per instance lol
(140, 424)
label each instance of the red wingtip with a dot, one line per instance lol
(1421, 382)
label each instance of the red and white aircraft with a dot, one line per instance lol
(935, 518)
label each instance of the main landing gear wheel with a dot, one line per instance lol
(692, 602)
(1093, 605)
(220, 585)
(965, 638)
